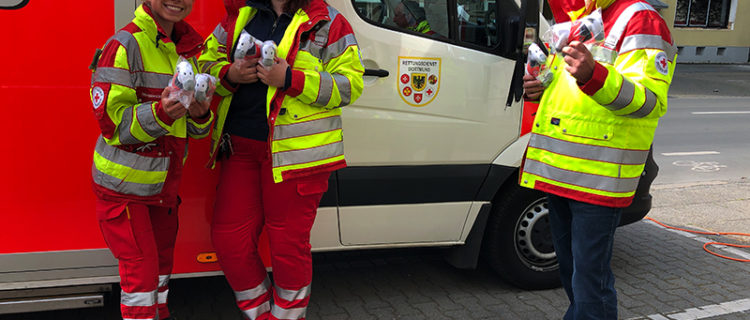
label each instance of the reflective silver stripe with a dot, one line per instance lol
(114, 75)
(288, 314)
(162, 296)
(147, 120)
(624, 97)
(337, 48)
(325, 90)
(130, 159)
(152, 80)
(622, 22)
(196, 131)
(345, 89)
(123, 128)
(648, 41)
(253, 293)
(585, 151)
(138, 299)
(585, 180)
(286, 158)
(163, 280)
(221, 35)
(647, 106)
(207, 66)
(253, 313)
(292, 295)
(306, 128)
(135, 61)
(332, 13)
(117, 184)
(313, 48)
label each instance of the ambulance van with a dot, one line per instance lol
(434, 146)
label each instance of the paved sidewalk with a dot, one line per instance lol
(713, 80)
(718, 206)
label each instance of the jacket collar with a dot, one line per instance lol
(188, 42)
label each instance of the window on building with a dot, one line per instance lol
(702, 13)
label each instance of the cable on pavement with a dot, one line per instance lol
(705, 246)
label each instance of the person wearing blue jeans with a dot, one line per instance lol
(591, 138)
(583, 235)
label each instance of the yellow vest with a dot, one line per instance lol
(592, 148)
(305, 130)
(132, 156)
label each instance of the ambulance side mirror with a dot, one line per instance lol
(523, 29)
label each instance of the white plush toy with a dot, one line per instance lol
(184, 80)
(183, 76)
(247, 45)
(268, 53)
(203, 84)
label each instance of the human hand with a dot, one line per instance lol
(243, 71)
(199, 109)
(580, 61)
(532, 87)
(275, 76)
(172, 106)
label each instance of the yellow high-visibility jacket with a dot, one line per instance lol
(590, 142)
(140, 153)
(305, 134)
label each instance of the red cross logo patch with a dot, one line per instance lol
(97, 96)
(661, 62)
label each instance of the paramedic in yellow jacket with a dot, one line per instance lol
(139, 156)
(591, 138)
(279, 132)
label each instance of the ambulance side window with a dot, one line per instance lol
(470, 23)
(13, 4)
(477, 22)
(410, 16)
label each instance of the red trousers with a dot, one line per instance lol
(142, 238)
(248, 200)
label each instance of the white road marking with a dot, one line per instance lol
(700, 238)
(694, 153)
(721, 112)
(709, 311)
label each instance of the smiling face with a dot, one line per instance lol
(169, 12)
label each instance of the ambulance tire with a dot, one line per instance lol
(518, 242)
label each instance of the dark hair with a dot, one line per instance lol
(414, 9)
(292, 6)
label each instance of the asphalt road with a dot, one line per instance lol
(703, 139)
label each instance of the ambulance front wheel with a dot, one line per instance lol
(518, 240)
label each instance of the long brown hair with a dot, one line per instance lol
(292, 6)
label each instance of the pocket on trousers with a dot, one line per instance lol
(118, 234)
(311, 188)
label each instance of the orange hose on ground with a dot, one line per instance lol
(705, 246)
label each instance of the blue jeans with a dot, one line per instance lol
(583, 235)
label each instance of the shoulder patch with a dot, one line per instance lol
(661, 62)
(97, 97)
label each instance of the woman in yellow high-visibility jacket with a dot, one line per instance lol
(281, 129)
(140, 153)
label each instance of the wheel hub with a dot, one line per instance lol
(533, 237)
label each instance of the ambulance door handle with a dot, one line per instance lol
(376, 73)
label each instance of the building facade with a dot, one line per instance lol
(709, 31)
